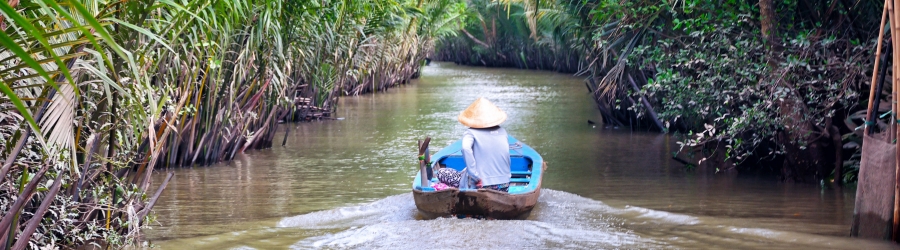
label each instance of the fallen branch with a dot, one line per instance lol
(644, 101)
(479, 42)
(32, 224)
(159, 191)
(23, 197)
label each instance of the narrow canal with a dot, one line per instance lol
(346, 183)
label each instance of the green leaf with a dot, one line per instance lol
(144, 32)
(31, 29)
(89, 18)
(23, 110)
(8, 42)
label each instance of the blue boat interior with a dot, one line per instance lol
(519, 166)
(523, 159)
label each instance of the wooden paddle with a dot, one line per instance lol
(424, 159)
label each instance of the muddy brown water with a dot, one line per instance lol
(345, 184)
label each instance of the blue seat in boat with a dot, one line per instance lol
(517, 164)
(520, 167)
(526, 180)
(520, 173)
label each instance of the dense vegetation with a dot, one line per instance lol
(99, 94)
(509, 34)
(769, 85)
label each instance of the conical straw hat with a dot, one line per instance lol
(482, 114)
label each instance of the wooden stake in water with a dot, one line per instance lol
(423, 160)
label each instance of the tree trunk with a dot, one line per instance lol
(767, 22)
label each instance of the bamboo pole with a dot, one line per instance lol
(872, 87)
(895, 29)
(894, 77)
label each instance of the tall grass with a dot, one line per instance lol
(97, 95)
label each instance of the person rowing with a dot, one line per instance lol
(485, 148)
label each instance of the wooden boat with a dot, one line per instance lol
(527, 168)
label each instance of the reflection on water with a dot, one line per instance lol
(346, 183)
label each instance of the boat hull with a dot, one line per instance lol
(482, 202)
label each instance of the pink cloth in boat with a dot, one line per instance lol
(438, 186)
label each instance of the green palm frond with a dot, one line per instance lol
(195, 81)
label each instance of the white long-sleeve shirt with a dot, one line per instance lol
(486, 151)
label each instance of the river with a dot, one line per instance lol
(346, 183)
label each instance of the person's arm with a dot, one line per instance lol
(468, 141)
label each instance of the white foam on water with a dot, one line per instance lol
(393, 208)
(560, 220)
(660, 216)
(470, 233)
(767, 233)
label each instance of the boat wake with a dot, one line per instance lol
(560, 220)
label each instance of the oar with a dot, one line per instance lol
(424, 158)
